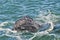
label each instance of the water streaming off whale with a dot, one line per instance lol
(6, 28)
(11, 10)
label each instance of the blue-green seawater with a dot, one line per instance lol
(40, 10)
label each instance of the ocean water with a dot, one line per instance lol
(42, 11)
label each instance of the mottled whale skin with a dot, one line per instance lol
(26, 23)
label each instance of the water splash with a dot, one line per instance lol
(46, 32)
(43, 17)
(46, 17)
(3, 23)
(7, 31)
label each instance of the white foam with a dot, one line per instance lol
(39, 34)
(50, 18)
(3, 23)
(7, 29)
(10, 35)
(6, 22)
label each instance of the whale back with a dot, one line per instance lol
(26, 23)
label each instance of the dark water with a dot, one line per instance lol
(11, 10)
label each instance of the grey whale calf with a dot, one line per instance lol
(26, 23)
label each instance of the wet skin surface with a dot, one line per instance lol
(26, 24)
